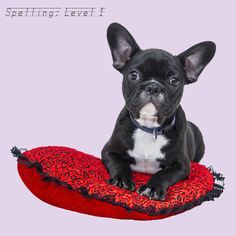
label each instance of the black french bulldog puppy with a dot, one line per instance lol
(151, 134)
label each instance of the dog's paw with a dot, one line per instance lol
(122, 182)
(152, 192)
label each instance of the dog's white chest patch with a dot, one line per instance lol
(146, 151)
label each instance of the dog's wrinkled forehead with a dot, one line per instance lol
(154, 63)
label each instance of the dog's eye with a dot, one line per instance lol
(174, 81)
(133, 75)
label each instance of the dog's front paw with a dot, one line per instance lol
(122, 182)
(153, 192)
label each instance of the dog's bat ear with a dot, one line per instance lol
(122, 45)
(196, 58)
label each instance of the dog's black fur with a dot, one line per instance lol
(165, 74)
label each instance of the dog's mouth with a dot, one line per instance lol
(146, 107)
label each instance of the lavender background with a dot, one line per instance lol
(58, 88)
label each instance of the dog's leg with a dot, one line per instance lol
(119, 170)
(159, 182)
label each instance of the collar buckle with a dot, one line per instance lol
(154, 134)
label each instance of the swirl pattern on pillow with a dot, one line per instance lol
(87, 175)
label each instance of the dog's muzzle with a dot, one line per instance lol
(153, 92)
(154, 88)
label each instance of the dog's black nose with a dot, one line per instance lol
(152, 89)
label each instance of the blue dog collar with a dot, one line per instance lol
(154, 131)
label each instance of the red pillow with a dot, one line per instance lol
(70, 179)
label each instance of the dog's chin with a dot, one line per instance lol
(148, 116)
(148, 110)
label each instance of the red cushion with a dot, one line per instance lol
(76, 181)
